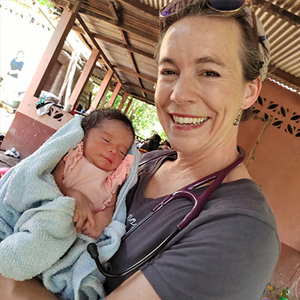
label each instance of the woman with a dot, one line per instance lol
(210, 69)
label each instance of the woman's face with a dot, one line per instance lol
(200, 88)
(107, 145)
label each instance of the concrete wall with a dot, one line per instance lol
(272, 142)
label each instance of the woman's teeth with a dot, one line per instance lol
(181, 120)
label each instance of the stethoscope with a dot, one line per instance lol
(185, 192)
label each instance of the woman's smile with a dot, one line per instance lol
(188, 122)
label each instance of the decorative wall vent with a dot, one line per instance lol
(282, 118)
(55, 113)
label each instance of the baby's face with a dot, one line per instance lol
(107, 145)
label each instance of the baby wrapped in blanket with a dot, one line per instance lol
(37, 233)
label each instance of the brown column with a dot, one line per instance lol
(128, 105)
(114, 95)
(83, 79)
(102, 91)
(123, 101)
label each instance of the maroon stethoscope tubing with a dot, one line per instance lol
(186, 193)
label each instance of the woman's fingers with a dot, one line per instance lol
(91, 220)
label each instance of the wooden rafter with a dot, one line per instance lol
(148, 78)
(138, 87)
(116, 43)
(126, 42)
(286, 77)
(278, 11)
(142, 7)
(86, 29)
(127, 28)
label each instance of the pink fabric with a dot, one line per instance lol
(97, 185)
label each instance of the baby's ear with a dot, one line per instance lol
(252, 91)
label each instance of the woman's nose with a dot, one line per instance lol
(184, 90)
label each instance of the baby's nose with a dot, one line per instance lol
(113, 149)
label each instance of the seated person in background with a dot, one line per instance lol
(151, 144)
(165, 145)
(96, 168)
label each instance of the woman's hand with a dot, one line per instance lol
(93, 232)
(102, 219)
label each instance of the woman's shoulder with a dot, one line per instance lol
(242, 197)
(157, 155)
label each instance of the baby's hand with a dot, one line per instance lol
(93, 232)
(82, 213)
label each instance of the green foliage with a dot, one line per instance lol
(145, 119)
(45, 3)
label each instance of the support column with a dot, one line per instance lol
(27, 125)
(101, 95)
(83, 79)
(114, 95)
(128, 105)
(48, 59)
(123, 101)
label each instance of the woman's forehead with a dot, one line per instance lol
(202, 34)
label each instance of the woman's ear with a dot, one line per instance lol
(251, 93)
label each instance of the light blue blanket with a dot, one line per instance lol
(37, 235)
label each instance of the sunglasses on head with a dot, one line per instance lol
(223, 6)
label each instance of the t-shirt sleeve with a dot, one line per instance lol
(230, 258)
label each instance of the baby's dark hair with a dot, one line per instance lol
(97, 117)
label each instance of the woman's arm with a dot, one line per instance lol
(136, 287)
(31, 289)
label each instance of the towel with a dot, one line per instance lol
(37, 235)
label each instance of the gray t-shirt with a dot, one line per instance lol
(228, 252)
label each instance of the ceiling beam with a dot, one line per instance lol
(288, 78)
(127, 47)
(278, 11)
(126, 42)
(138, 87)
(142, 34)
(116, 43)
(86, 29)
(145, 9)
(129, 71)
(143, 99)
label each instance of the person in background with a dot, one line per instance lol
(16, 65)
(12, 84)
(151, 144)
(165, 145)
(211, 65)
